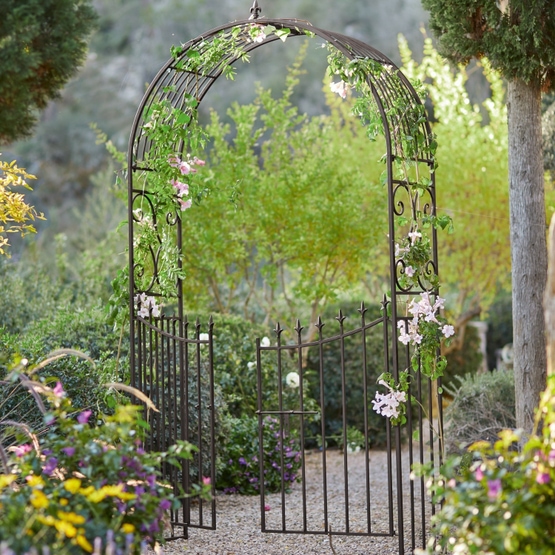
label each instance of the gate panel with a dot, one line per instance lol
(176, 372)
(306, 425)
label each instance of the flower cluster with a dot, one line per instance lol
(389, 404)
(504, 501)
(427, 311)
(185, 167)
(77, 487)
(146, 306)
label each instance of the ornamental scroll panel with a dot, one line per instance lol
(166, 350)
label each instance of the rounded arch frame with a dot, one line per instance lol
(174, 85)
(388, 86)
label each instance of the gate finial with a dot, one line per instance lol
(255, 10)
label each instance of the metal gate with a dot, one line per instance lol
(172, 359)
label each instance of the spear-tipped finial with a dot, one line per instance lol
(255, 10)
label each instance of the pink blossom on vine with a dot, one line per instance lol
(410, 271)
(388, 404)
(339, 88)
(448, 330)
(185, 204)
(198, 162)
(181, 188)
(414, 235)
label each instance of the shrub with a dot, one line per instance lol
(242, 471)
(504, 502)
(75, 486)
(482, 406)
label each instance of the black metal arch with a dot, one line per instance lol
(174, 85)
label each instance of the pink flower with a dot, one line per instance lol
(409, 270)
(339, 88)
(83, 418)
(543, 478)
(198, 162)
(267, 507)
(494, 488)
(185, 204)
(448, 331)
(21, 450)
(58, 390)
(479, 474)
(181, 188)
(206, 480)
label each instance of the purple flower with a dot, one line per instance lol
(543, 478)
(267, 507)
(242, 461)
(21, 450)
(165, 505)
(50, 466)
(69, 451)
(494, 488)
(58, 390)
(83, 418)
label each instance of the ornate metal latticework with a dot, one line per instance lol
(172, 360)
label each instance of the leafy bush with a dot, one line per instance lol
(242, 471)
(67, 328)
(75, 486)
(482, 406)
(505, 501)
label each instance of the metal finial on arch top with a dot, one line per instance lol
(255, 10)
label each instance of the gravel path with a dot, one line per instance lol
(238, 517)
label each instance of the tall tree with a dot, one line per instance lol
(518, 37)
(42, 43)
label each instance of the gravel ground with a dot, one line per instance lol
(238, 517)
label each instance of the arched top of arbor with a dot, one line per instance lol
(397, 100)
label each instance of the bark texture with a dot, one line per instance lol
(549, 301)
(528, 247)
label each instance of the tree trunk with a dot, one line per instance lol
(528, 247)
(549, 301)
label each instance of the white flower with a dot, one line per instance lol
(251, 365)
(264, 342)
(414, 235)
(146, 306)
(203, 337)
(448, 330)
(339, 88)
(144, 312)
(292, 380)
(410, 271)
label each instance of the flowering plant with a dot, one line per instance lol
(77, 487)
(282, 458)
(411, 144)
(504, 501)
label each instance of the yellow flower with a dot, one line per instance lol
(73, 518)
(63, 501)
(65, 528)
(110, 491)
(35, 481)
(39, 500)
(47, 520)
(72, 485)
(97, 496)
(6, 480)
(86, 491)
(82, 542)
(128, 528)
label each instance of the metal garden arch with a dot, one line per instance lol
(172, 361)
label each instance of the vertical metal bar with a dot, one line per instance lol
(411, 455)
(431, 426)
(184, 373)
(341, 319)
(365, 408)
(386, 322)
(320, 326)
(212, 409)
(302, 438)
(261, 438)
(281, 431)
(421, 461)
(198, 407)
